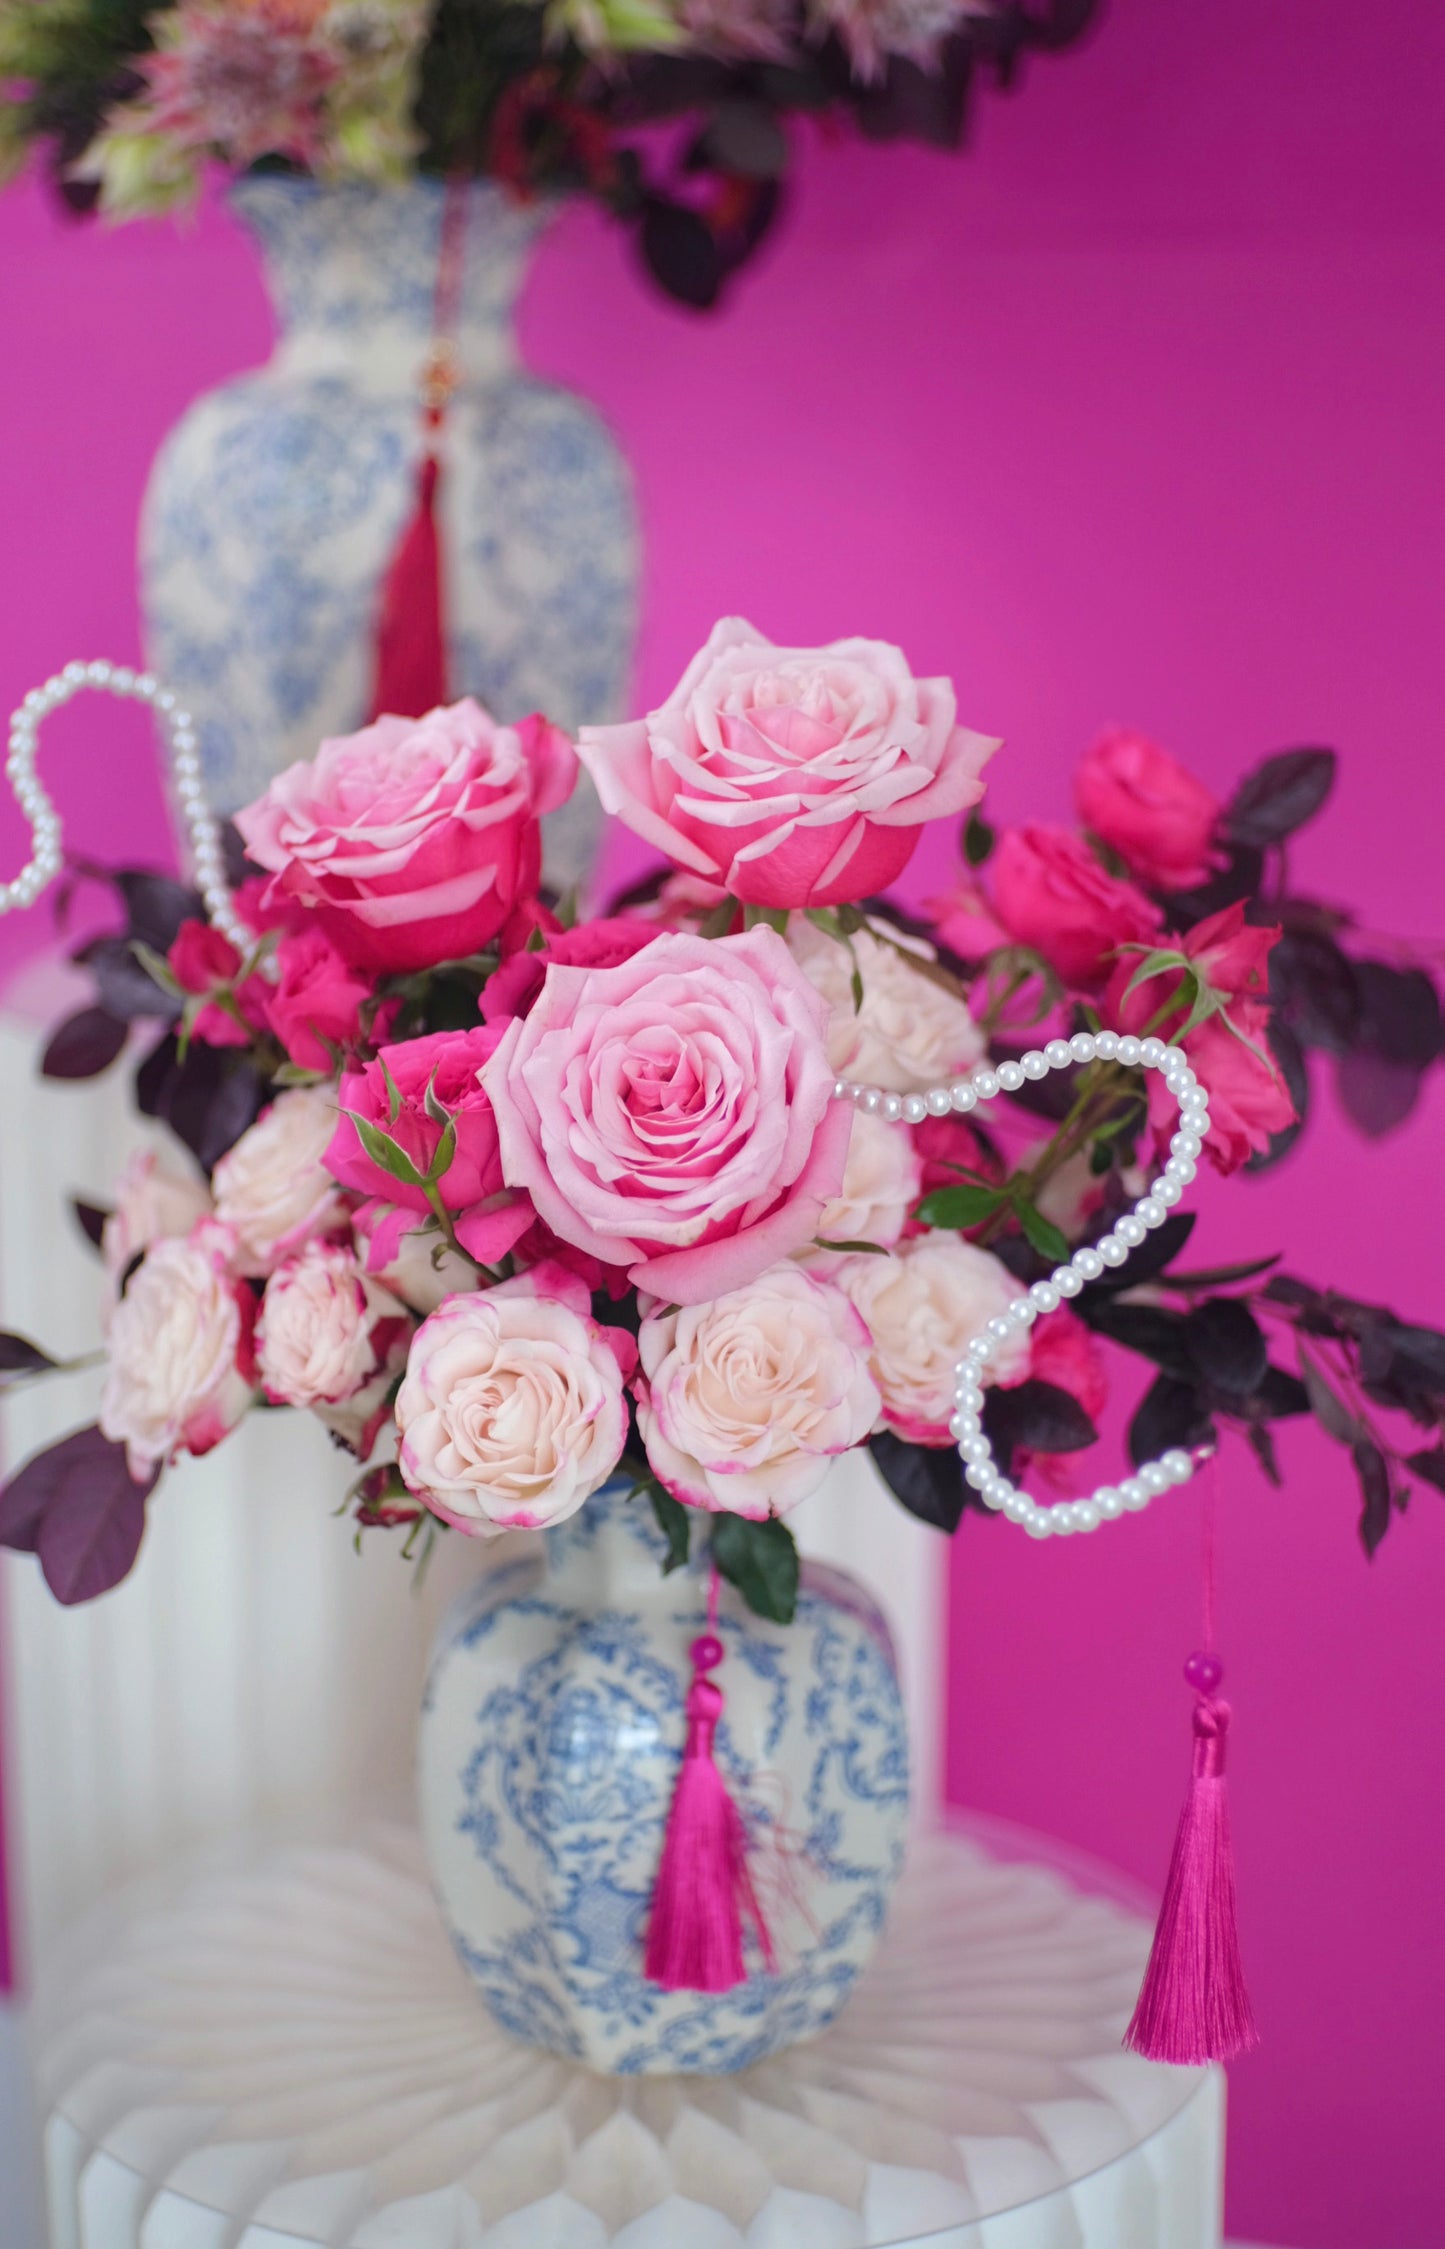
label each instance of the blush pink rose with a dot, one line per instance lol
(180, 1370)
(487, 1217)
(414, 840)
(1157, 816)
(1248, 1098)
(1050, 892)
(592, 944)
(323, 1327)
(151, 1205)
(674, 1114)
(513, 1409)
(272, 1189)
(790, 776)
(315, 1005)
(921, 1304)
(748, 1399)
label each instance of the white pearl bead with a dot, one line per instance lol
(1066, 1282)
(1035, 1064)
(978, 1476)
(962, 1095)
(1086, 1515)
(1106, 1045)
(1087, 1263)
(1045, 1296)
(1038, 1525)
(1000, 1328)
(1180, 1170)
(915, 1109)
(1010, 1076)
(890, 1108)
(870, 1099)
(974, 1448)
(1154, 1476)
(985, 1083)
(1058, 1054)
(1177, 1465)
(1131, 1230)
(1082, 1046)
(1150, 1212)
(1151, 1053)
(1017, 1505)
(1166, 1191)
(992, 1494)
(1061, 1518)
(1130, 1050)
(1113, 1251)
(938, 1101)
(1109, 1503)
(840, 1089)
(1135, 1493)
(1185, 1144)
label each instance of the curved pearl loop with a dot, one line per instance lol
(178, 728)
(957, 1098)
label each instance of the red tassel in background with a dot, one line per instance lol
(411, 647)
(703, 1888)
(1193, 2005)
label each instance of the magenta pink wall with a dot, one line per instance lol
(1134, 414)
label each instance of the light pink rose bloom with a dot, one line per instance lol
(909, 1033)
(181, 1371)
(151, 1205)
(513, 1410)
(749, 1398)
(273, 1189)
(413, 840)
(423, 1269)
(921, 1304)
(323, 1328)
(674, 1114)
(790, 776)
(1145, 806)
(882, 1182)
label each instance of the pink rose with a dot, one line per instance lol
(273, 1191)
(1159, 818)
(413, 840)
(790, 776)
(315, 1004)
(1062, 1351)
(675, 1113)
(204, 961)
(151, 1205)
(592, 944)
(488, 1219)
(921, 1304)
(881, 1183)
(1051, 893)
(908, 1032)
(323, 1328)
(963, 921)
(1248, 1099)
(749, 1398)
(513, 1409)
(180, 1370)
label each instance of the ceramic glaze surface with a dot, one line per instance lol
(276, 503)
(551, 1738)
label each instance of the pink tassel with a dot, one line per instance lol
(703, 1888)
(411, 657)
(1193, 2006)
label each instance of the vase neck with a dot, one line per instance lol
(610, 1552)
(352, 272)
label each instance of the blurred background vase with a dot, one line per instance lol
(276, 503)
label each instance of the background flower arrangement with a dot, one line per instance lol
(517, 1202)
(132, 100)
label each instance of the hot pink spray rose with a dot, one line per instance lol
(1248, 1099)
(1050, 892)
(513, 1409)
(180, 1370)
(413, 840)
(315, 1004)
(790, 776)
(592, 944)
(1158, 817)
(488, 1219)
(747, 1399)
(674, 1114)
(203, 960)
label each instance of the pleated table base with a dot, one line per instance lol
(285, 2051)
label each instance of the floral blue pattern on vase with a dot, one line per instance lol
(551, 1738)
(276, 503)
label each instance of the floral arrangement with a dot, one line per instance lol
(695, 1193)
(133, 99)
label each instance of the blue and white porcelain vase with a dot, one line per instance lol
(552, 1733)
(276, 503)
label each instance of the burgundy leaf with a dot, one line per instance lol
(84, 1045)
(18, 1355)
(77, 1506)
(90, 1218)
(1376, 1094)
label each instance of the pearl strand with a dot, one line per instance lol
(957, 1098)
(178, 727)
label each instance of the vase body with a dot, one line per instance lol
(551, 1738)
(276, 503)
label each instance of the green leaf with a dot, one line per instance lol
(536, 942)
(432, 1106)
(441, 1162)
(157, 968)
(567, 909)
(761, 1560)
(384, 1152)
(295, 1073)
(1153, 964)
(675, 1523)
(720, 921)
(855, 986)
(872, 1249)
(960, 1206)
(978, 840)
(776, 917)
(393, 1091)
(1041, 1233)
